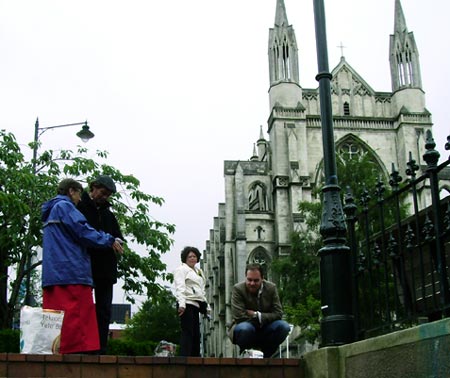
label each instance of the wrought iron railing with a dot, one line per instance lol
(400, 264)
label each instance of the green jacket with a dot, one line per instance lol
(267, 302)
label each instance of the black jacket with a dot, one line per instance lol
(104, 260)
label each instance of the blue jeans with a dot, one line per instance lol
(266, 338)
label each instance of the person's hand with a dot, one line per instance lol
(180, 311)
(250, 313)
(117, 247)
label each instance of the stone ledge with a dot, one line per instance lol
(84, 366)
(147, 360)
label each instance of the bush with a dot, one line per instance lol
(124, 347)
(9, 341)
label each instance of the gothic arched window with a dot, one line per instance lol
(286, 65)
(350, 149)
(261, 257)
(257, 197)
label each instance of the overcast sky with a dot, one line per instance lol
(173, 88)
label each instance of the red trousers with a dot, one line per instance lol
(79, 332)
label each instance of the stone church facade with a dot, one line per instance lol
(255, 222)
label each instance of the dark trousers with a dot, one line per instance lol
(190, 332)
(103, 292)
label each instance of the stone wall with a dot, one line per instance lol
(422, 351)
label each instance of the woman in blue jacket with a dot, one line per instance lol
(66, 267)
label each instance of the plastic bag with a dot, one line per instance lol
(165, 349)
(40, 330)
(252, 353)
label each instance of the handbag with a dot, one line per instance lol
(40, 330)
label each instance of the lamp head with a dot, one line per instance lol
(85, 134)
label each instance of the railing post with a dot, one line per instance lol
(380, 189)
(411, 172)
(350, 210)
(399, 259)
(431, 157)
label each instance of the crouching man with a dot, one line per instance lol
(257, 312)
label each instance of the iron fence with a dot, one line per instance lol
(400, 248)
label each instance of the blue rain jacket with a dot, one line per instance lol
(67, 233)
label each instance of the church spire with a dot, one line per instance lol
(399, 21)
(280, 14)
(404, 56)
(261, 135)
(255, 156)
(283, 55)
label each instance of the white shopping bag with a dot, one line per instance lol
(40, 330)
(252, 353)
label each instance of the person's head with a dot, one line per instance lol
(253, 277)
(190, 256)
(101, 188)
(71, 188)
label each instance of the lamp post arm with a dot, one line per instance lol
(38, 131)
(37, 134)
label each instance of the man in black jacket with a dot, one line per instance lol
(95, 207)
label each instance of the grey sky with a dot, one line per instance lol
(173, 88)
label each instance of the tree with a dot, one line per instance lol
(26, 184)
(299, 275)
(357, 172)
(156, 320)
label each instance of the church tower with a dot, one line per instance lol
(283, 62)
(286, 126)
(404, 56)
(408, 98)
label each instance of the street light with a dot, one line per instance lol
(337, 324)
(84, 134)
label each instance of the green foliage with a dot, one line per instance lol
(9, 341)
(25, 185)
(300, 280)
(307, 316)
(357, 172)
(156, 320)
(125, 347)
(311, 213)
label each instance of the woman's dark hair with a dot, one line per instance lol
(68, 183)
(185, 252)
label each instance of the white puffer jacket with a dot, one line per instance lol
(189, 285)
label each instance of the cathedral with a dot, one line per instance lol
(262, 193)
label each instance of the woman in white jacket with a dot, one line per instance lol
(189, 284)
